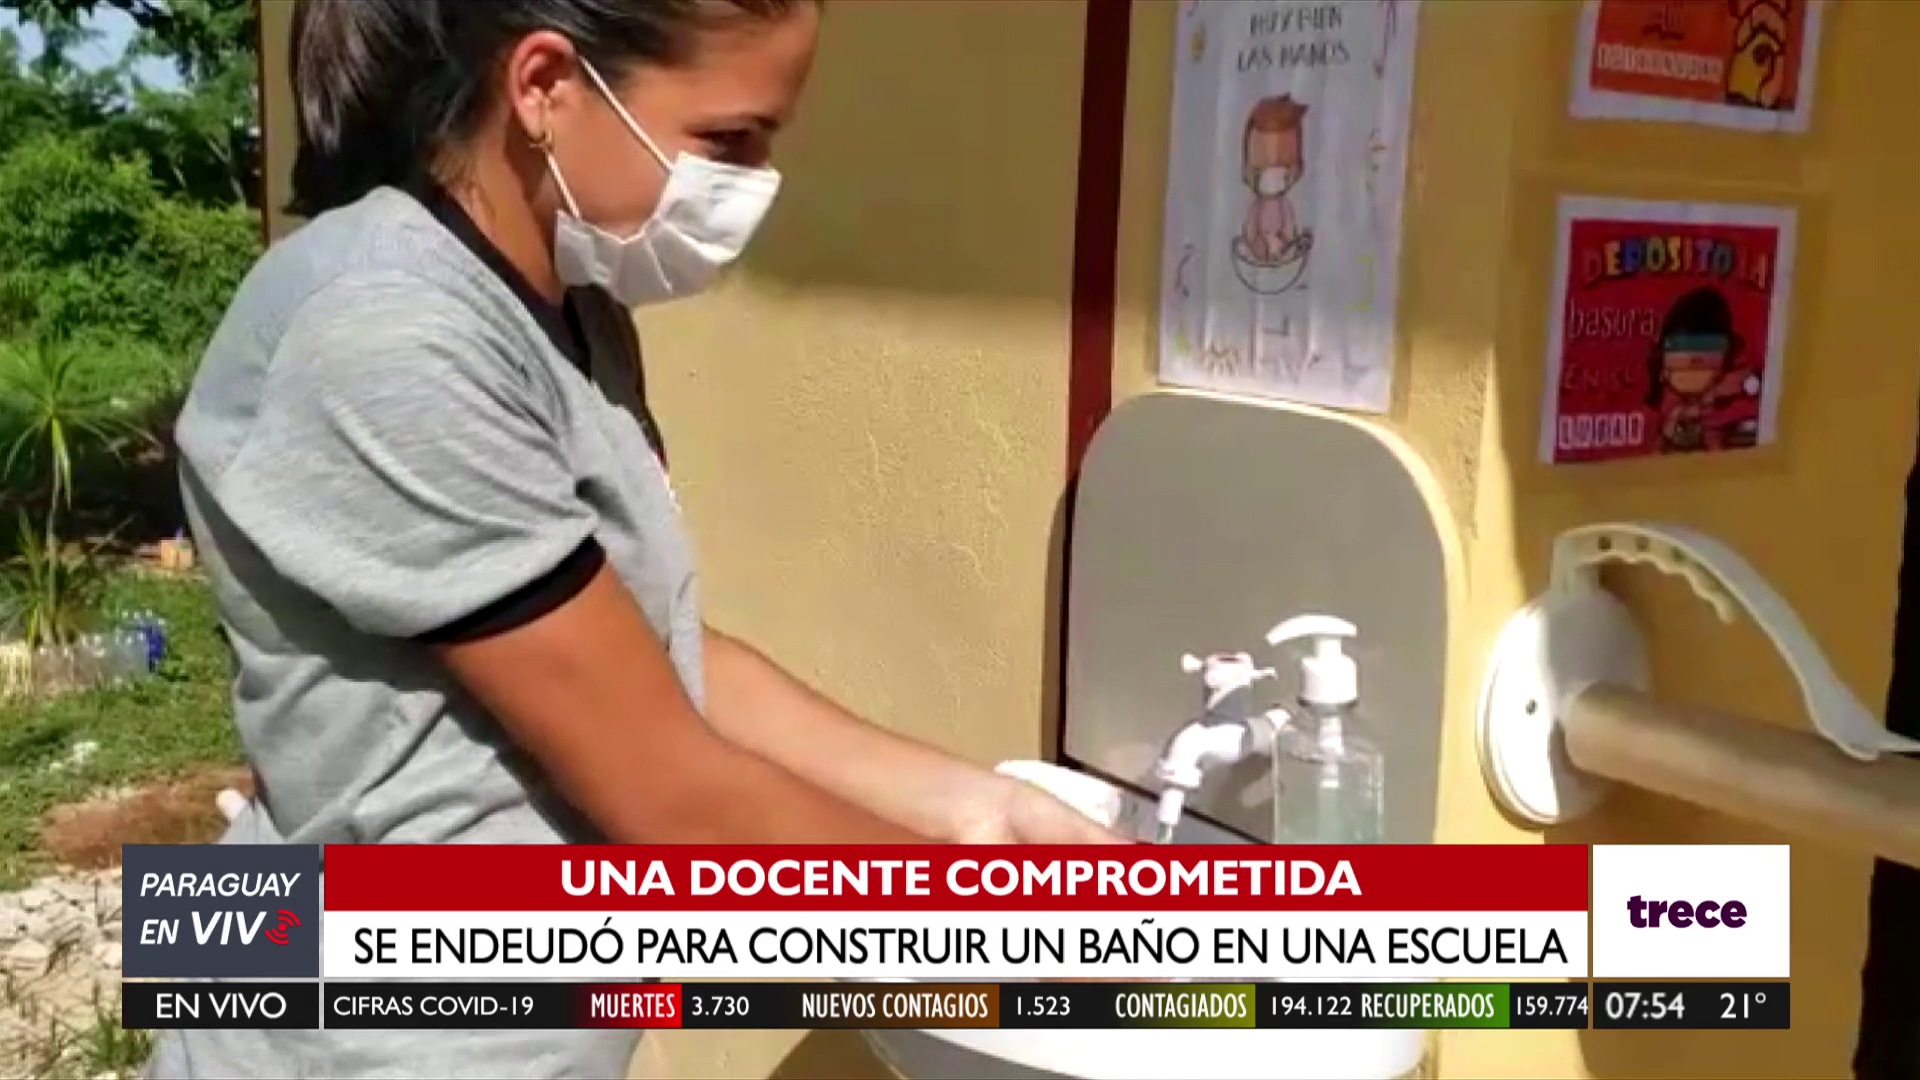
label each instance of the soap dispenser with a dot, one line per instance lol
(1330, 774)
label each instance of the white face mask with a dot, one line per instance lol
(1272, 181)
(707, 213)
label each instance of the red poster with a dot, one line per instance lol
(1745, 64)
(1669, 320)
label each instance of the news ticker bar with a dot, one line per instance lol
(762, 1005)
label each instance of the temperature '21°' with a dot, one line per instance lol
(1742, 1005)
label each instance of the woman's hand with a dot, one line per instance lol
(1008, 811)
(934, 794)
(1021, 813)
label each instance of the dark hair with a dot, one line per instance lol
(1702, 312)
(384, 87)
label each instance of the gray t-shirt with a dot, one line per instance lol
(380, 441)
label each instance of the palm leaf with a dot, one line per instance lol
(48, 590)
(47, 391)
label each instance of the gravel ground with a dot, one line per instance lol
(60, 978)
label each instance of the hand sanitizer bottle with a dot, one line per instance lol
(1331, 775)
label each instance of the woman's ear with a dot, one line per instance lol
(541, 75)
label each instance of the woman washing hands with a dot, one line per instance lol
(419, 466)
(909, 784)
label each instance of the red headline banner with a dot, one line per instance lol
(456, 877)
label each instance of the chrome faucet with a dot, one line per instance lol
(1226, 732)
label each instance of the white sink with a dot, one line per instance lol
(1232, 1054)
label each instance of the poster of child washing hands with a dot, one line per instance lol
(1285, 185)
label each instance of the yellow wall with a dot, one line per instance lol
(867, 428)
(1819, 513)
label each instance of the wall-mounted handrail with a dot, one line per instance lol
(1789, 780)
(1567, 707)
(1718, 575)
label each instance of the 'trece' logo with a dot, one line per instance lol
(278, 932)
(1644, 914)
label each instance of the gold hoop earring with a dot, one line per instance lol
(542, 142)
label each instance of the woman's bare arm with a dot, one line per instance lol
(759, 706)
(589, 692)
(916, 786)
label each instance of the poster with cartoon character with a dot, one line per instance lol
(1285, 183)
(1667, 331)
(1743, 64)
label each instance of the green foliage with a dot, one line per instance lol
(201, 37)
(89, 247)
(124, 229)
(124, 207)
(49, 589)
(31, 106)
(202, 138)
(106, 1048)
(53, 405)
(54, 412)
(112, 405)
(201, 253)
(125, 226)
(148, 730)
